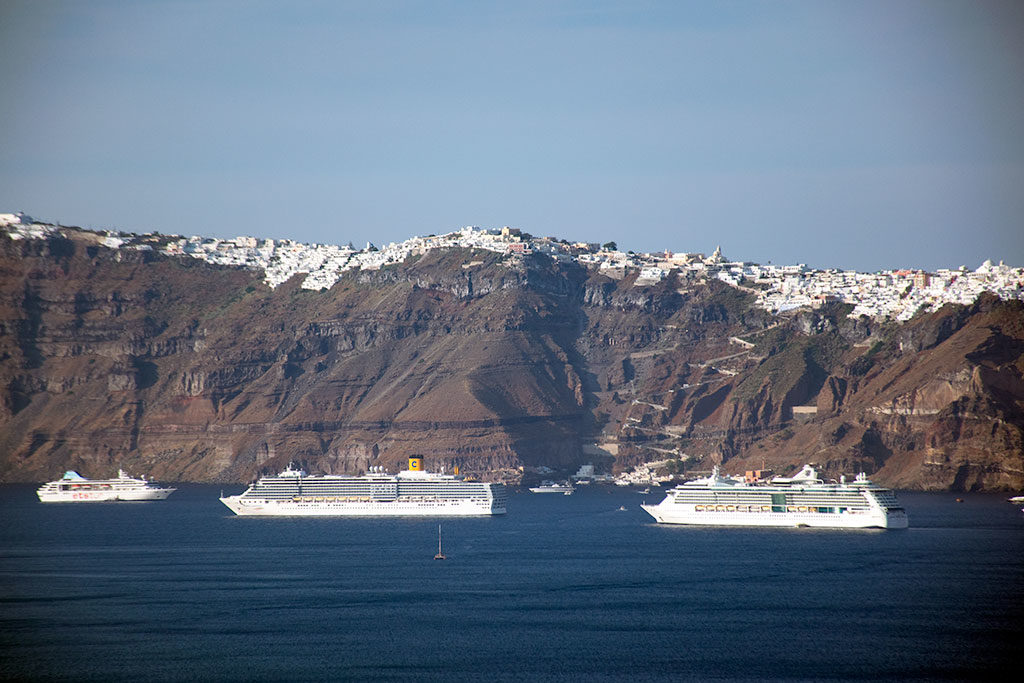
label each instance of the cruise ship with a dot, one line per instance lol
(74, 488)
(413, 492)
(564, 488)
(800, 500)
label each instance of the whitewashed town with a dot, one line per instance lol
(895, 294)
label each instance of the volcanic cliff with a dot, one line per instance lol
(186, 371)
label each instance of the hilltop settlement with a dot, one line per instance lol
(894, 294)
(508, 356)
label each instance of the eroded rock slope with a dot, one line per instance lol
(186, 371)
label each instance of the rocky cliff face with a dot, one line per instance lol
(186, 371)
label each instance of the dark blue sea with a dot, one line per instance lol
(560, 588)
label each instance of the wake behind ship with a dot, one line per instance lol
(412, 492)
(801, 500)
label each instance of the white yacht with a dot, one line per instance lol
(412, 492)
(800, 500)
(74, 488)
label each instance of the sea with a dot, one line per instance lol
(563, 588)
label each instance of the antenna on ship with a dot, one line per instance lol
(440, 555)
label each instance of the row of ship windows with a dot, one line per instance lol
(367, 499)
(763, 500)
(364, 482)
(418, 507)
(363, 487)
(85, 487)
(356, 492)
(769, 508)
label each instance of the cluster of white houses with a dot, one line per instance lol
(897, 294)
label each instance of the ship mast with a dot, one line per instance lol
(440, 555)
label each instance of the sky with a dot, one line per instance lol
(867, 134)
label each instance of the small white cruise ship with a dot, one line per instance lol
(564, 488)
(801, 500)
(412, 492)
(74, 488)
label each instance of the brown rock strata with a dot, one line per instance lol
(186, 371)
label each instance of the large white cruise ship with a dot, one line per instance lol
(412, 492)
(801, 500)
(74, 488)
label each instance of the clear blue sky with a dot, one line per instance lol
(862, 134)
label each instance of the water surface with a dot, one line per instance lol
(561, 588)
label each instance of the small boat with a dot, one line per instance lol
(1017, 500)
(440, 555)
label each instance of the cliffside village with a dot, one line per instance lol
(896, 294)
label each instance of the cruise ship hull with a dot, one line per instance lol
(667, 514)
(153, 494)
(104, 496)
(438, 508)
